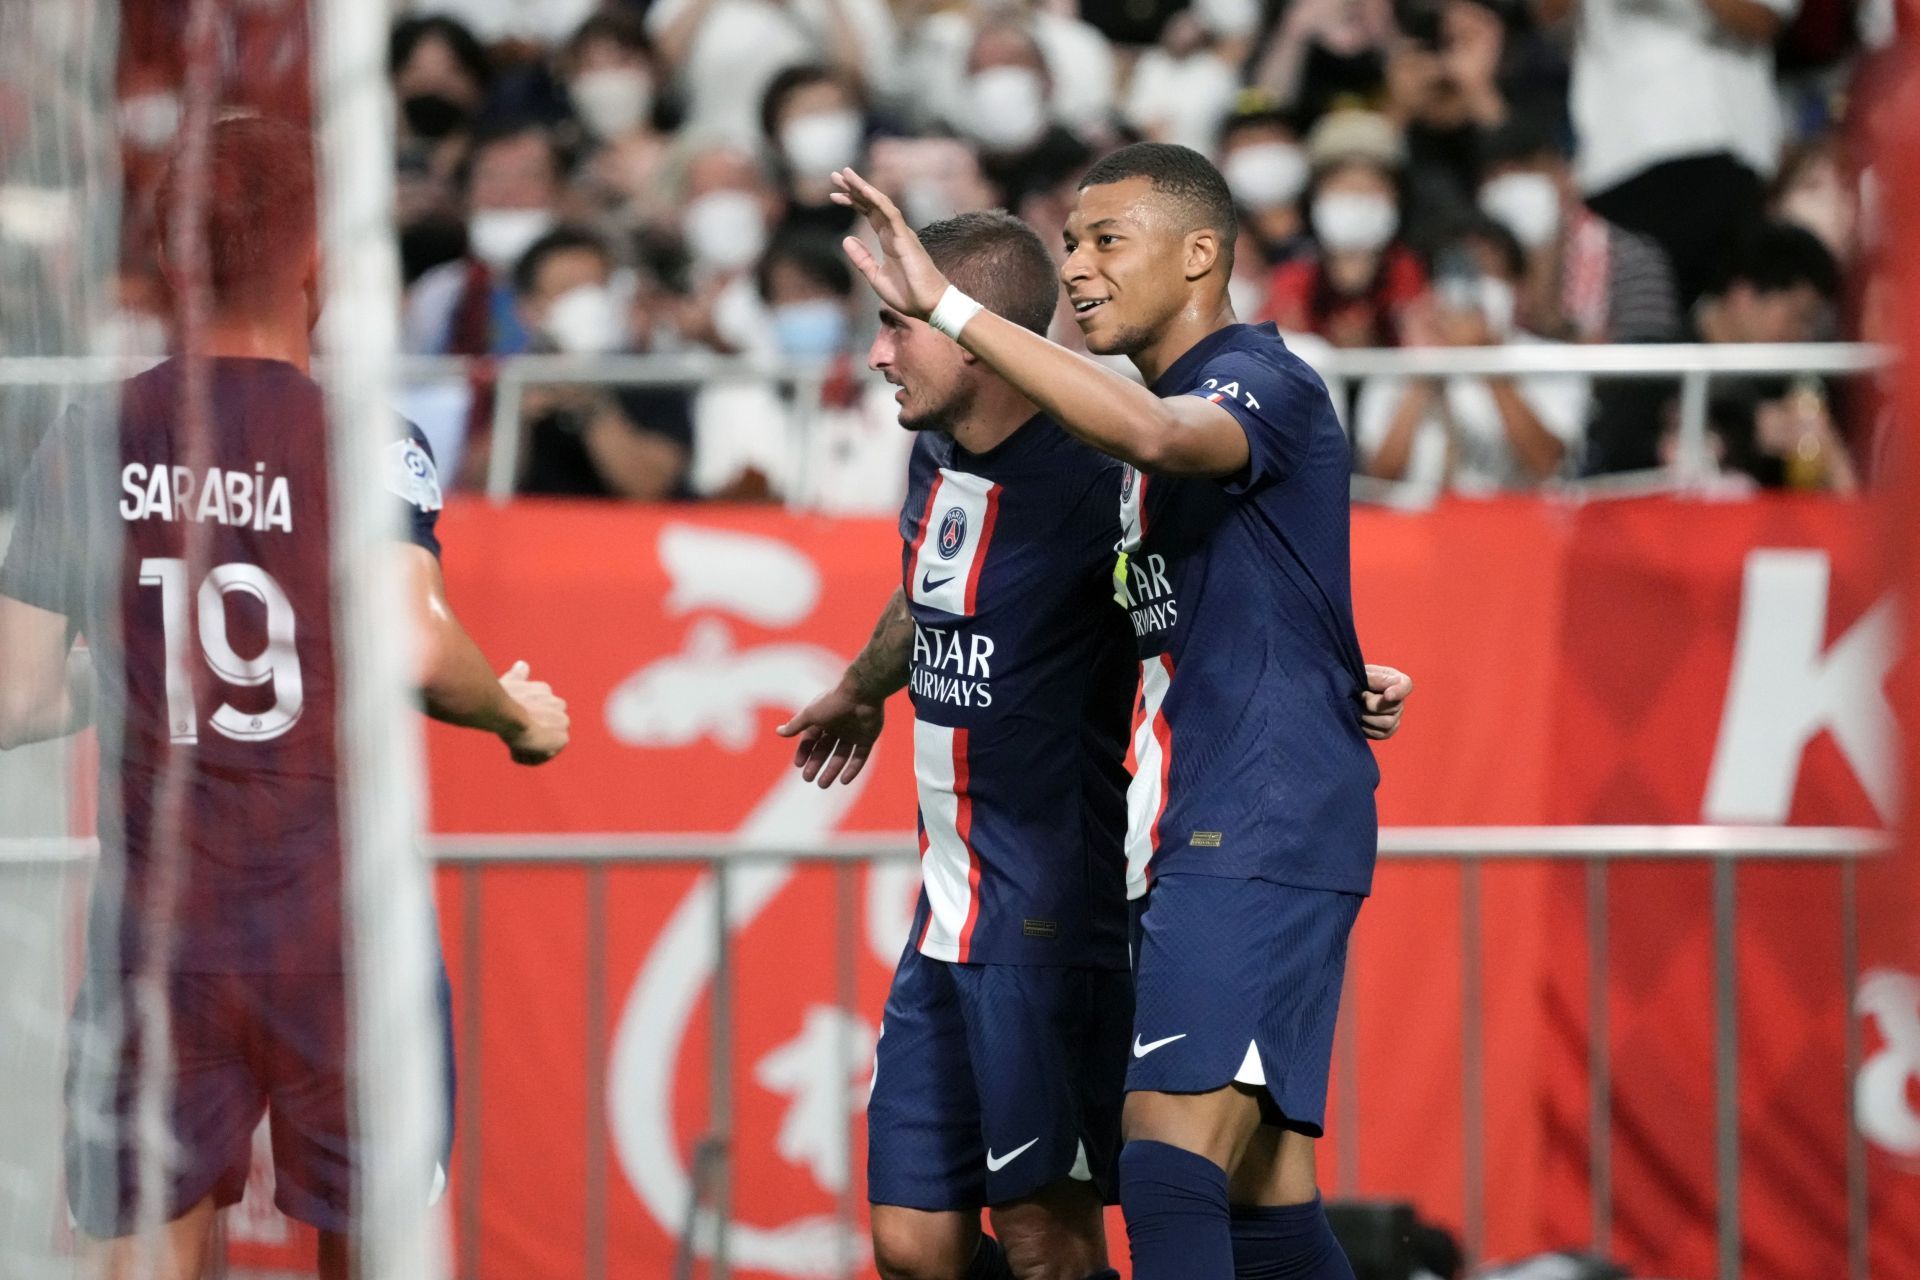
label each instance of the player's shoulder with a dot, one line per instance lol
(409, 469)
(1253, 354)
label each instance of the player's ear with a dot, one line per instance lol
(1202, 252)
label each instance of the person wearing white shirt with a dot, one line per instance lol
(1678, 119)
(1472, 434)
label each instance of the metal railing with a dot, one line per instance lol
(706, 1226)
(1695, 365)
(1724, 847)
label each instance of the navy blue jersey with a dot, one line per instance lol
(229, 659)
(1020, 680)
(1249, 759)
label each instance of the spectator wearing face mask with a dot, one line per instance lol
(832, 445)
(512, 186)
(1586, 279)
(441, 77)
(724, 223)
(725, 53)
(1774, 431)
(588, 441)
(1362, 284)
(612, 76)
(1472, 435)
(1078, 62)
(1267, 171)
(1679, 120)
(1006, 110)
(813, 123)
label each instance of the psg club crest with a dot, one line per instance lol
(953, 532)
(1127, 475)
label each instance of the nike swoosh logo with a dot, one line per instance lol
(996, 1163)
(1142, 1050)
(928, 584)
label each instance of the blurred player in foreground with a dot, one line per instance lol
(232, 893)
(1252, 832)
(999, 1074)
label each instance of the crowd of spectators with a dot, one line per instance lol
(634, 177)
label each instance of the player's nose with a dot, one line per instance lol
(880, 354)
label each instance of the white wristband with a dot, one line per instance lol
(952, 312)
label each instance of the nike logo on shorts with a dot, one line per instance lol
(1142, 1050)
(927, 583)
(996, 1163)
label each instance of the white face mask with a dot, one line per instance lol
(1266, 175)
(612, 100)
(149, 121)
(499, 237)
(724, 230)
(1354, 222)
(1228, 19)
(1006, 108)
(41, 217)
(587, 320)
(820, 143)
(1527, 204)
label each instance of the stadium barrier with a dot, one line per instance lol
(705, 1234)
(1694, 365)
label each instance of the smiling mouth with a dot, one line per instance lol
(1083, 307)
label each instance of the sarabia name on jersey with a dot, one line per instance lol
(236, 498)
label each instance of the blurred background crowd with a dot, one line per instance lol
(651, 178)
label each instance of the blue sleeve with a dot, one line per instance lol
(412, 477)
(1275, 405)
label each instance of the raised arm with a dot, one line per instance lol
(837, 730)
(1175, 435)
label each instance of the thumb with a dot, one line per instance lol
(518, 671)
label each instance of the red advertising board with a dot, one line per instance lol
(1633, 662)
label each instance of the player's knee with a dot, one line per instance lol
(915, 1249)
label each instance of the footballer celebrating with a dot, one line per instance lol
(192, 551)
(999, 1074)
(1251, 829)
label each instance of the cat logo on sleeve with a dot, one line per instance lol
(411, 475)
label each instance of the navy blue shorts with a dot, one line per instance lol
(1239, 980)
(992, 1081)
(244, 1044)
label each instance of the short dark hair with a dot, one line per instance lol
(1779, 256)
(410, 33)
(1000, 262)
(257, 214)
(1520, 140)
(1182, 173)
(526, 272)
(623, 27)
(789, 82)
(505, 129)
(813, 256)
(1257, 118)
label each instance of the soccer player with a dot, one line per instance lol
(999, 1073)
(238, 670)
(1251, 825)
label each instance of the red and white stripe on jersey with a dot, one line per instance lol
(948, 865)
(1151, 754)
(951, 546)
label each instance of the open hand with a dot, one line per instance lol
(1385, 699)
(837, 732)
(547, 730)
(906, 279)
